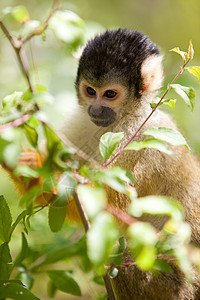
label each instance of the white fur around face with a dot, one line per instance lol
(152, 73)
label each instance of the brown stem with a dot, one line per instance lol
(141, 126)
(44, 26)
(83, 215)
(120, 215)
(15, 123)
(17, 47)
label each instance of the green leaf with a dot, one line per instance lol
(57, 210)
(64, 281)
(157, 205)
(19, 13)
(31, 135)
(169, 102)
(5, 220)
(190, 51)
(57, 214)
(64, 251)
(181, 254)
(30, 196)
(29, 27)
(25, 171)
(186, 93)
(108, 143)
(17, 292)
(101, 238)
(66, 186)
(51, 289)
(168, 135)
(12, 145)
(5, 262)
(27, 280)
(92, 199)
(183, 54)
(142, 241)
(162, 266)
(195, 71)
(116, 259)
(21, 216)
(68, 27)
(149, 143)
(116, 178)
(11, 101)
(24, 251)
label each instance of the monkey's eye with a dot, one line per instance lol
(91, 91)
(110, 94)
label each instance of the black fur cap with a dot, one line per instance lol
(116, 55)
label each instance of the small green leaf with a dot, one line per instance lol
(195, 71)
(116, 178)
(11, 101)
(142, 241)
(101, 238)
(149, 143)
(19, 13)
(57, 209)
(183, 54)
(181, 254)
(68, 27)
(31, 135)
(5, 220)
(92, 199)
(190, 51)
(186, 93)
(29, 27)
(162, 266)
(57, 214)
(5, 262)
(25, 171)
(51, 289)
(24, 251)
(30, 196)
(27, 280)
(113, 273)
(64, 281)
(17, 292)
(169, 102)
(108, 143)
(157, 205)
(168, 135)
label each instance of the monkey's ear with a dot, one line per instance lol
(152, 74)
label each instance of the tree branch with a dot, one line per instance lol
(18, 44)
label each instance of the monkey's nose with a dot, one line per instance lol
(95, 110)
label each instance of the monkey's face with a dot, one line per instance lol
(103, 103)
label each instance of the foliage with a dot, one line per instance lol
(59, 179)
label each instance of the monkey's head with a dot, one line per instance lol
(117, 70)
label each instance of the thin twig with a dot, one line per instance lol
(17, 47)
(15, 123)
(83, 215)
(120, 215)
(44, 26)
(141, 126)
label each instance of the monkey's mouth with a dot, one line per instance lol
(102, 122)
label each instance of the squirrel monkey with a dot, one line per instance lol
(119, 74)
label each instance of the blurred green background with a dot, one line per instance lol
(169, 23)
